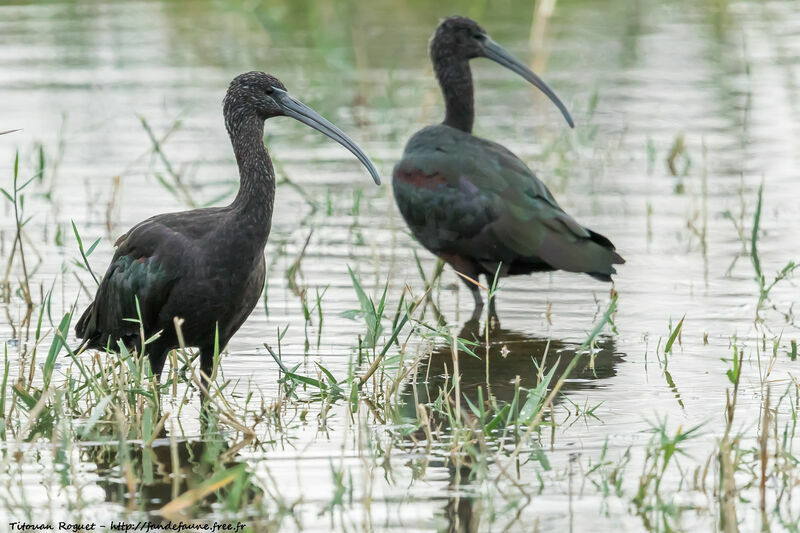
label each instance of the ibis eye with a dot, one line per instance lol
(270, 90)
(480, 36)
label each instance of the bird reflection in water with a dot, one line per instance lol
(147, 480)
(512, 355)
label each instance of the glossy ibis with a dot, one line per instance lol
(471, 201)
(205, 266)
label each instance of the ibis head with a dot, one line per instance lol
(263, 95)
(459, 39)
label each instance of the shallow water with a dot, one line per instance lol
(636, 76)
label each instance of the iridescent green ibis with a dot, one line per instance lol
(205, 266)
(472, 202)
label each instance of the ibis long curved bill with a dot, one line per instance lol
(302, 113)
(495, 52)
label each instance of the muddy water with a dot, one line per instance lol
(638, 76)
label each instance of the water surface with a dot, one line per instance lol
(80, 78)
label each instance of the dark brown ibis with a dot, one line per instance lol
(471, 201)
(205, 266)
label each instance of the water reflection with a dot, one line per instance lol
(152, 476)
(512, 355)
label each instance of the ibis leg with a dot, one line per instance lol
(157, 353)
(207, 356)
(476, 295)
(470, 273)
(207, 361)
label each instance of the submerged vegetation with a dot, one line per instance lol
(357, 398)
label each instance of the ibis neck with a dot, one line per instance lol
(256, 195)
(455, 79)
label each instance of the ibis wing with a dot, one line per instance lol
(518, 219)
(135, 286)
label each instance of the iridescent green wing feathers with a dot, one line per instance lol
(523, 220)
(137, 274)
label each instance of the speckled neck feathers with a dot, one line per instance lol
(256, 176)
